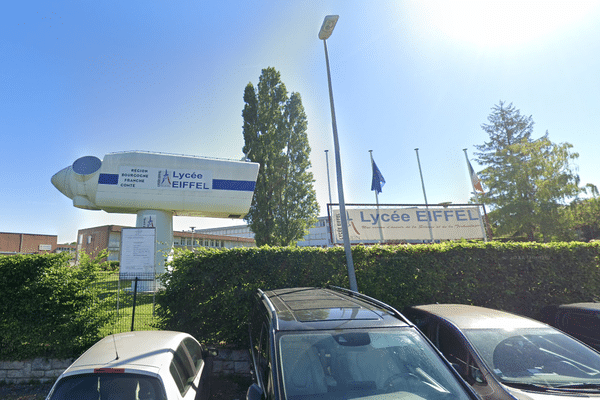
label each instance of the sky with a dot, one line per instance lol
(81, 78)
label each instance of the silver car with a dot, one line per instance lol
(145, 365)
(506, 356)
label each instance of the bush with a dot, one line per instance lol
(208, 292)
(47, 308)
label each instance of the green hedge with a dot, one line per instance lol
(48, 308)
(208, 292)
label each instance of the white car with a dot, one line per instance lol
(144, 365)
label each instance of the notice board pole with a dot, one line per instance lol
(134, 298)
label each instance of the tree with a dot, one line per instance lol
(529, 180)
(584, 216)
(284, 204)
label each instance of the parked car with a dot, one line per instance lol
(580, 320)
(333, 343)
(144, 365)
(506, 356)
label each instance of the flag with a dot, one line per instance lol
(378, 180)
(474, 178)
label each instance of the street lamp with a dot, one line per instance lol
(192, 228)
(328, 181)
(325, 32)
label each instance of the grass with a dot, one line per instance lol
(144, 318)
(108, 285)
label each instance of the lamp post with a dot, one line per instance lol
(325, 32)
(192, 228)
(328, 181)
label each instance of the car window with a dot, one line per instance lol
(178, 373)
(259, 337)
(108, 386)
(363, 363)
(543, 356)
(182, 370)
(421, 321)
(451, 346)
(195, 352)
(582, 324)
(264, 358)
(450, 343)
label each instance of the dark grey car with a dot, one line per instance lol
(580, 320)
(315, 343)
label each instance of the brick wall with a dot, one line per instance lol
(39, 369)
(232, 362)
(26, 243)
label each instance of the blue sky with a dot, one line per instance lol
(84, 78)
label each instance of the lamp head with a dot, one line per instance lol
(327, 27)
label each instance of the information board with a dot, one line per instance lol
(410, 223)
(138, 253)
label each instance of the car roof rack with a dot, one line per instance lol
(371, 300)
(267, 300)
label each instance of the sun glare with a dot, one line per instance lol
(503, 23)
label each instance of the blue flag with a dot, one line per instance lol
(378, 180)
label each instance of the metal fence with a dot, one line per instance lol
(132, 305)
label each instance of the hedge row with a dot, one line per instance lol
(47, 308)
(208, 293)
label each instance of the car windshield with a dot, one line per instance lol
(364, 363)
(108, 387)
(542, 356)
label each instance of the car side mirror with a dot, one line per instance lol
(209, 352)
(254, 392)
(477, 375)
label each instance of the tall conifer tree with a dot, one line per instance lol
(529, 180)
(284, 204)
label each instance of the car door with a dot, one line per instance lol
(453, 346)
(201, 369)
(260, 342)
(188, 368)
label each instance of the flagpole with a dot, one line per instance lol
(425, 196)
(469, 168)
(377, 201)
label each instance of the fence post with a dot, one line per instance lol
(134, 298)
